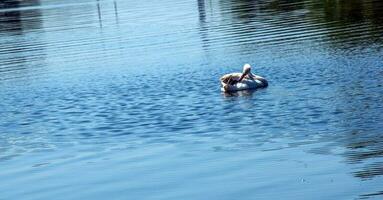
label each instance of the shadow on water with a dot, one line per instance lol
(241, 10)
(203, 27)
(116, 11)
(366, 18)
(352, 11)
(363, 142)
(17, 55)
(363, 138)
(201, 11)
(15, 21)
(100, 14)
(343, 25)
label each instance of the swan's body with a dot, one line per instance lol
(247, 81)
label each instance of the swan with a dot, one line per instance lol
(242, 81)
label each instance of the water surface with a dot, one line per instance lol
(121, 100)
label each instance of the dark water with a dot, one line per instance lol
(121, 100)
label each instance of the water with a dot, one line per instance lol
(121, 100)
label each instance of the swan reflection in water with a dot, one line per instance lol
(242, 93)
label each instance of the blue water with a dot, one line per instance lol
(121, 100)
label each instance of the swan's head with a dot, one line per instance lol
(246, 69)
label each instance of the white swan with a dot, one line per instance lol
(242, 81)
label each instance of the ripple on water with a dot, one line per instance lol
(103, 99)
